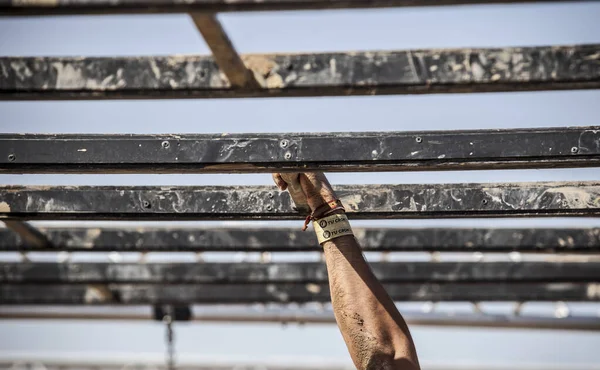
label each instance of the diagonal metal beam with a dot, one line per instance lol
(265, 153)
(71, 7)
(30, 236)
(199, 239)
(224, 52)
(322, 74)
(266, 202)
(25, 294)
(293, 273)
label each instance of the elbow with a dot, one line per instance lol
(379, 360)
(389, 360)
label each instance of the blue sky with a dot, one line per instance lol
(462, 26)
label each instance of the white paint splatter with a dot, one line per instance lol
(332, 67)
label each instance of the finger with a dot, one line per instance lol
(293, 184)
(290, 177)
(295, 190)
(279, 181)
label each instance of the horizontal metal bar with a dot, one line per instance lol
(322, 74)
(295, 273)
(144, 361)
(293, 239)
(22, 294)
(580, 323)
(72, 7)
(265, 153)
(266, 202)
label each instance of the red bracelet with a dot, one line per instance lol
(323, 210)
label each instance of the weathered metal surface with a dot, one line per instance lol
(266, 202)
(282, 293)
(247, 153)
(28, 234)
(325, 74)
(296, 273)
(293, 239)
(300, 316)
(224, 52)
(70, 7)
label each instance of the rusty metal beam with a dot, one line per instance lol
(293, 273)
(322, 74)
(30, 236)
(22, 294)
(224, 52)
(129, 239)
(266, 202)
(265, 153)
(71, 7)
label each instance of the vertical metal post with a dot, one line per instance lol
(168, 320)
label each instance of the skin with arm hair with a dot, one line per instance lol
(375, 333)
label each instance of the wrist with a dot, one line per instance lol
(326, 208)
(331, 227)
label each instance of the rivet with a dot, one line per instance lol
(12, 157)
(484, 201)
(419, 139)
(284, 143)
(288, 155)
(269, 208)
(146, 204)
(574, 149)
(165, 144)
(270, 195)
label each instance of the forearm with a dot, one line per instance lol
(373, 329)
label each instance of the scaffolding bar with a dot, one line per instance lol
(329, 152)
(580, 323)
(266, 202)
(261, 239)
(321, 74)
(26, 294)
(74, 7)
(292, 272)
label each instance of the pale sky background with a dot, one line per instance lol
(464, 26)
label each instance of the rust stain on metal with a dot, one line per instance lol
(264, 67)
(97, 294)
(28, 3)
(260, 64)
(593, 291)
(231, 167)
(313, 288)
(4, 207)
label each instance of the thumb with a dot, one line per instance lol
(294, 187)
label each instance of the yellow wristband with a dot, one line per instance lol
(332, 227)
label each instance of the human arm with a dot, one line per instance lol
(375, 333)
